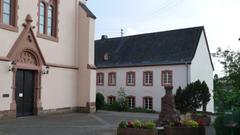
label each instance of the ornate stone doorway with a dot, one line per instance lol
(26, 56)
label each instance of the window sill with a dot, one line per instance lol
(167, 85)
(100, 84)
(147, 84)
(9, 27)
(111, 84)
(43, 36)
(132, 85)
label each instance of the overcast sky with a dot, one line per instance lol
(221, 18)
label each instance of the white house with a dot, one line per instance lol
(46, 57)
(144, 64)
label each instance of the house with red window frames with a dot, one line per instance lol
(143, 64)
(46, 57)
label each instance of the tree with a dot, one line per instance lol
(192, 97)
(122, 99)
(231, 63)
(99, 101)
(227, 88)
(205, 96)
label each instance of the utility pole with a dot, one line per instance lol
(122, 33)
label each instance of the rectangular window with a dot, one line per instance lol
(100, 79)
(6, 12)
(167, 78)
(112, 79)
(130, 78)
(50, 21)
(8, 9)
(131, 102)
(48, 16)
(148, 78)
(42, 17)
(111, 99)
(148, 103)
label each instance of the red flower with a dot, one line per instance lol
(130, 123)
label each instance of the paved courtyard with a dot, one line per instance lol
(100, 123)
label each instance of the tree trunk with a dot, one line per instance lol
(204, 107)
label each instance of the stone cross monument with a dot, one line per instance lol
(168, 111)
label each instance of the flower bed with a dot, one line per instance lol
(136, 128)
(202, 118)
(186, 127)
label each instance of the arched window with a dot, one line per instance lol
(50, 21)
(42, 17)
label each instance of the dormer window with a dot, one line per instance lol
(106, 56)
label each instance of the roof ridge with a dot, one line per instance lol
(141, 34)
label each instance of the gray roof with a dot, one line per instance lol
(160, 48)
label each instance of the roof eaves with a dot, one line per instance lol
(87, 10)
(143, 65)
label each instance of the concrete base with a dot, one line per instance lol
(12, 114)
(7, 114)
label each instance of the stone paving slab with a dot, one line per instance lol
(100, 123)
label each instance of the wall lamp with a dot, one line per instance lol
(11, 66)
(46, 70)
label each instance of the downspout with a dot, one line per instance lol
(76, 32)
(187, 79)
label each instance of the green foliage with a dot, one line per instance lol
(140, 109)
(192, 97)
(227, 89)
(123, 124)
(205, 96)
(122, 100)
(115, 106)
(219, 126)
(149, 125)
(190, 123)
(137, 124)
(99, 101)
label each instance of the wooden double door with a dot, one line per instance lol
(24, 94)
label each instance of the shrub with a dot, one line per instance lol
(222, 122)
(192, 97)
(189, 123)
(140, 109)
(149, 125)
(137, 124)
(115, 106)
(122, 100)
(99, 101)
(219, 126)
(123, 124)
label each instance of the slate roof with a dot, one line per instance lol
(160, 48)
